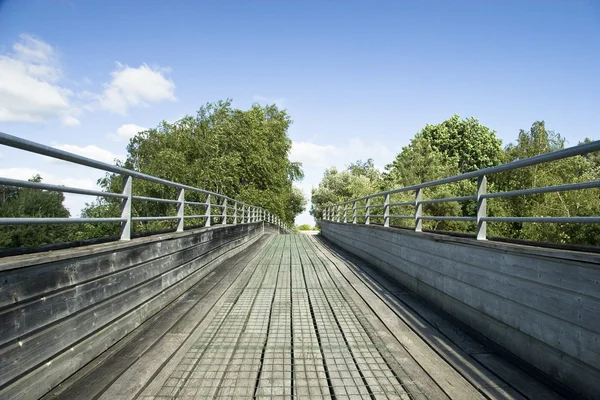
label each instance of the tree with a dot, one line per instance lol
(472, 145)
(240, 154)
(357, 180)
(32, 203)
(538, 140)
(437, 151)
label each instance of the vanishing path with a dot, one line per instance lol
(292, 317)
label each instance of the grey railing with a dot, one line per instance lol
(229, 210)
(339, 212)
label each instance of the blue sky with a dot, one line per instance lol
(359, 78)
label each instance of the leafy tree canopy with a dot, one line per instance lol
(32, 203)
(241, 154)
(357, 180)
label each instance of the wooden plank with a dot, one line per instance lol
(567, 337)
(92, 380)
(21, 319)
(157, 383)
(418, 314)
(41, 275)
(550, 360)
(503, 258)
(31, 351)
(39, 381)
(535, 291)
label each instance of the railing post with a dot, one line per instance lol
(224, 222)
(353, 212)
(345, 213)
(126, 208)
(249, 215)
(180, 208)
(338, 212)
(207, 213)
(368, 212)
(386, 211)
(418, 210)
(481, 208)
(235, 212)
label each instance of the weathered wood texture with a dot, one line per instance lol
(60, 310)
(542, 306)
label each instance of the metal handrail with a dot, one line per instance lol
(338, 212)
(229, 208)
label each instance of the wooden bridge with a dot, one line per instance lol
(291, 317)
(237, 307)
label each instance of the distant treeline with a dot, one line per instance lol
(458, 146)
(241, 154)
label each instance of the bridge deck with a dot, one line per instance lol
(292, 317)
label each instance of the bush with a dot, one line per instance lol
(304, 227)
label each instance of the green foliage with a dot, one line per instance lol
(459, 146)
(534, 142)
(357, 180)
(473, 146)
(304, 227)
(32, 203)
(438, 151)
(241, 154)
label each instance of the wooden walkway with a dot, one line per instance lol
(293, 318)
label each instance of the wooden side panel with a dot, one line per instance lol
(58, 316)
(544, 309)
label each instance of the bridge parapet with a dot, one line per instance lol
(539, 304)
(62, 309)
(216, 208)
(364, 210)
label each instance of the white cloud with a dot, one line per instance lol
(74, 203)
(91, 151)
(314, 155)
(320, 156)
(28, 92)
(69, 120)
(278, 102)
(126, 132)
(136, 87)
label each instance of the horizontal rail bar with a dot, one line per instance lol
(403, 203)
(57, 188)
(559, 220)
(195, 203)
(51, 221)
(448, 199)
(527, 162)
(443, 218)
(548, 189)
(33, 147)
(402, 216)
(142, 219)
(156, 199)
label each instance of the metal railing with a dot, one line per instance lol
(230, 210)
(339, 212)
